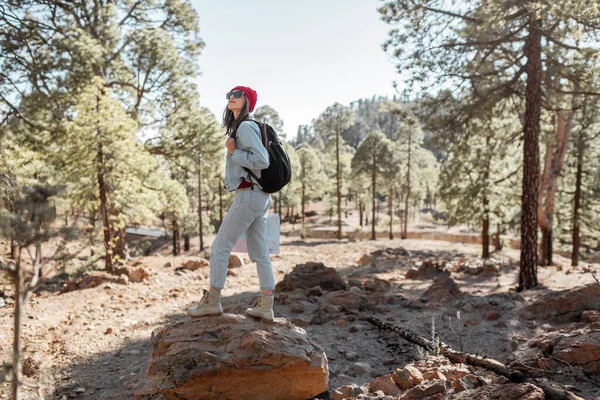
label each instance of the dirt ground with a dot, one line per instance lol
(95, 343)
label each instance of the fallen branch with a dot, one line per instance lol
(551, 392)
(593, 276)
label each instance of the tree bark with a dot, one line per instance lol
(186, 242)
(303, 200)
(18, 314)
(373, 183)
(200, 228)
(102, 190)
(551, 392)
(360, 211)
(485, 238)
(406, 200)
(176, 238)
(391, 206)
(577, 201)
(338, 182)
(497, 240)
(529, 198)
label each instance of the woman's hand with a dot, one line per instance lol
(231, 146)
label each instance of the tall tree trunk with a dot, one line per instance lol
(577, 201)
(373, 182)
(102, 190)
(338, 182)
(391, 206)
(176, 238)
(120, 247)
(13, 249)
(405, 232)
(529, 199)
(18, 314)
(485, 232)
(186, 242)
(303, 209)
(200, 228)
(360, 211)
(497, 240)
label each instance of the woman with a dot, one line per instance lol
(248, 212)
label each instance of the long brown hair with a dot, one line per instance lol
(230, 123)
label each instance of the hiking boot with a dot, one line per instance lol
(209, 304)
(262, 307)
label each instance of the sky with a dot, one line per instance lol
(301, 56)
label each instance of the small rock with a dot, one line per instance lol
(433, 375)
(340, 322)
(591, 316)
(79, 390)
(359, 368)
(235, 261)
(2, 302)
(332, 309)
(297, 307)
(352, 356)
(526, 315)
(385, 384)
(168, 264)
(354, 289)
(348, 391)
(364, 259)
(302, 320)
(425, 389)
(123, 279)
(492, 316)
(109, 331)
(193, 265)
(314, 291)
(353, 329)
(407, 377)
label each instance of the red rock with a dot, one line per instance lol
(193, 265)
(425, 390)
(492, 316)
(407, 377)
(509, 391)
(443, 289)
(310, 275)
(235, 261)
(433, 375)
(347, 392)
(580, 350)
(568, 304)
(231, 357)
(591, 316)
(385, 384)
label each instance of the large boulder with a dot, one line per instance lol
(309, 275)
(567, 305)
(232, 357)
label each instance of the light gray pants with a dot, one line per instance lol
(248, 213)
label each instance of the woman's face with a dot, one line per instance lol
(236, 100)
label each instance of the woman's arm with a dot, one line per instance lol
(251, 152)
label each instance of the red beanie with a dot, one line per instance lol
(251, 95)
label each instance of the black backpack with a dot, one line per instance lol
(279, 172)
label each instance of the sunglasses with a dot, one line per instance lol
(236, 93)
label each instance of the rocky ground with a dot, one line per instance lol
(91, 338)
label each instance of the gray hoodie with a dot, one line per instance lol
(250, 153)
